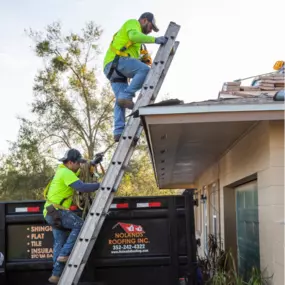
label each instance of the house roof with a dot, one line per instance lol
(185, 139)
(261, 99)
(241, 104)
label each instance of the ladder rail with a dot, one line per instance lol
(92, 243)
(102, 202)
(163, 75)
(156, 92)
(149, 85)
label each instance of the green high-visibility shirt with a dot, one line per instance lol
(60, 189)
(130, 31)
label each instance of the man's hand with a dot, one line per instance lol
(161, 40)
(98, 158)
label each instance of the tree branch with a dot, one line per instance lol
(100, 119)
(78, 125)
(87, 54)
(84, 95)
(66, 141)
(83, 138)
(86, 100)
(62, 140)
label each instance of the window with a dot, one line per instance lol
(247, 223)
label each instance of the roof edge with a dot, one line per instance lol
(188, 109)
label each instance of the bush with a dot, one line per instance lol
(218, 267)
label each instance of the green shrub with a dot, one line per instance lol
(218, 267)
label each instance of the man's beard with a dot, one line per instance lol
(144, 28)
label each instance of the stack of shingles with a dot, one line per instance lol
(272, 82)
(268, 85)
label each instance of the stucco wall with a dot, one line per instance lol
(271, 205)
(260, 152)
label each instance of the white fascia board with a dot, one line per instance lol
(189, 109)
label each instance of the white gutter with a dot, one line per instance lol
(190, 109)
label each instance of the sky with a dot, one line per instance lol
(220, 41)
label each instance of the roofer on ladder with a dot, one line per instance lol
(59, 196)
(122, 62)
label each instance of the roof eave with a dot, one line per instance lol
(211, 113)
(190, 109)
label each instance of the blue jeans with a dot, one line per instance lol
(131, 68)
(63, 240)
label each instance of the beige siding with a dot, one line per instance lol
(260, 152)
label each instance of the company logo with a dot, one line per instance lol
(131, 228)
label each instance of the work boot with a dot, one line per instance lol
(126, 103)
(62, 259)
(117, 137)
(53, 279)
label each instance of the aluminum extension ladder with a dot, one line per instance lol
(102, 202)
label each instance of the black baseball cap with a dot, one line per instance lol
(73, 155)
(150, 17)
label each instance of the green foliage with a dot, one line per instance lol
(26, 170)
(42, 48)
(139, 179)
(70, 107)
(218, 267)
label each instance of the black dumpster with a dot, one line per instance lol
(143, 241)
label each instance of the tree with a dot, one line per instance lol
(25, 171)
(69, 110)
(69, 106)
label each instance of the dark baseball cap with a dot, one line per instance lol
(73, 155)
(150, 17)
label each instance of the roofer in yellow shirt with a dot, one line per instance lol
(122, 62)
(59, 197)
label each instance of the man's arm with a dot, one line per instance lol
(135, 35)
(138, 37)
(84, 187)
(70, 179)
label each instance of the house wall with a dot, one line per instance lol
(259, 154)
(271, 205)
